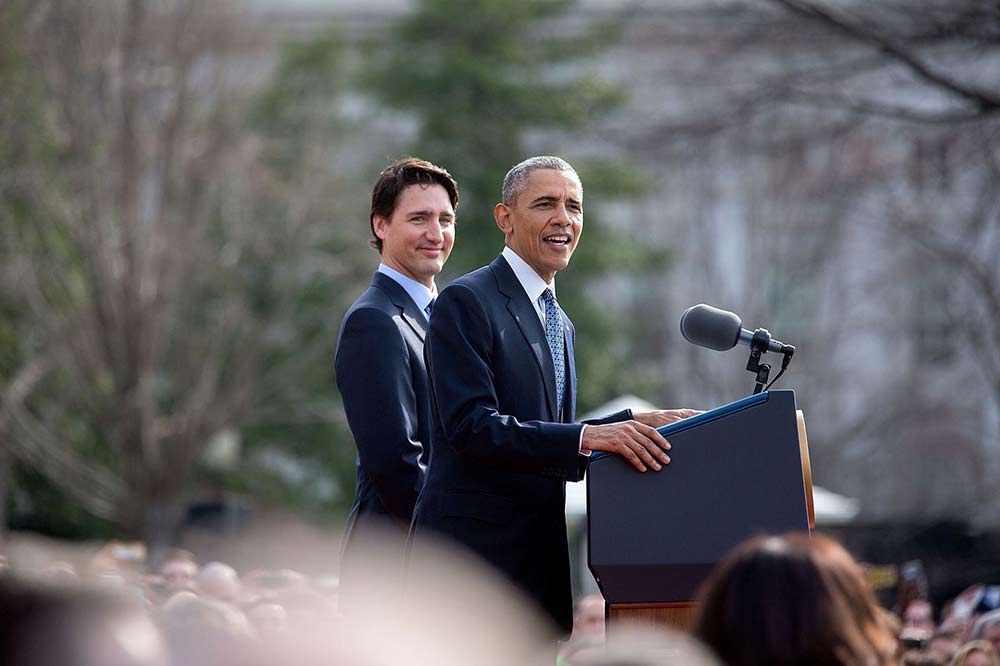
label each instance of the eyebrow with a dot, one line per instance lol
(428, 212)
(548, 198)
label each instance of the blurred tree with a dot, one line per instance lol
(491, 82)
(846, 159)
(167, 282)
(26, 138)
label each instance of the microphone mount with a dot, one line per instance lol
(760, 342)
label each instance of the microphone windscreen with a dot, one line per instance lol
(711, 327)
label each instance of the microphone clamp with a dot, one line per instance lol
(760, 342)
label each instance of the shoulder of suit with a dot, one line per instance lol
(475, 280)
(373, 297)
(369, 311)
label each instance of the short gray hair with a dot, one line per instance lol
(517, 178)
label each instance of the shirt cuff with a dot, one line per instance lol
(580, 448)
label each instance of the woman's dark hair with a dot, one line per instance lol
(792, 600)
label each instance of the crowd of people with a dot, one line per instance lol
(793, 599)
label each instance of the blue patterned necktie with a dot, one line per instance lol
(554, 336)
(430, 306)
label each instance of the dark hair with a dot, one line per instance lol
(792, 600)
(397, 177)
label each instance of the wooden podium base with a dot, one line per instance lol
(678, 616)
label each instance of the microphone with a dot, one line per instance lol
(722, 330)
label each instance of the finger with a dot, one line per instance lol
(630, 454)
(653, 435)
(644, 450)
(654, 449)
(653, 441)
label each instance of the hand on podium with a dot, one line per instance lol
(639, 443)
(661, 417)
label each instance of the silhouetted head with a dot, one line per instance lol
(791, 600)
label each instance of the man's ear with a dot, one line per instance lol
(380, 226)
(501, 213)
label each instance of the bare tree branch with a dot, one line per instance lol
(983, 101)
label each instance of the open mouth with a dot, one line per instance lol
(558, 239)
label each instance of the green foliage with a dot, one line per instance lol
(24, 137)
(298, 118)
(297, 102)
(479, 75)
(37, 505)
(484, 79)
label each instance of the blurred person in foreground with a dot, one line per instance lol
(46, 624)
(945, 642)
(179, 570)
(588, 619)
(202, 631)
(922, 658)
(503, 394)
(919, 614)
(588, 628)
(381, 375)
(786, 600)
(987, 628)
(976, 653)
(219, 581)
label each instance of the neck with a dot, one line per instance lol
(427, 282)
(547, 277)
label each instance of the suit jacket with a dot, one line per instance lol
(500, 454)
(383, 381)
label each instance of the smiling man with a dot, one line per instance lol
(503, 395)
(381, 374)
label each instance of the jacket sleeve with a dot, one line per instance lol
(459, 349)
(375, 381)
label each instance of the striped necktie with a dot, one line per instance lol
(555, 337)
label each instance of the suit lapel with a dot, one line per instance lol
(570, 398)
(526, 317)
(407, 308)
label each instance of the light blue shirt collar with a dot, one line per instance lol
(420, 294)
(532, 283)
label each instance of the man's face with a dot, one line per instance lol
(418, 238)
(545, 222)
(919, 614)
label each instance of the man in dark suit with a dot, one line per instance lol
(381, 374)
(503, 396)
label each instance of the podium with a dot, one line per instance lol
(738, 471)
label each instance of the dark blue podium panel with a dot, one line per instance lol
(735, 472)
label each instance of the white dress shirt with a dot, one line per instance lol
(534, 286)
(420, 294)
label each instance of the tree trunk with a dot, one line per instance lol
(5, 469)
(162, 522)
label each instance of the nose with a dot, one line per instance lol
(434, 231)
(561, 216)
